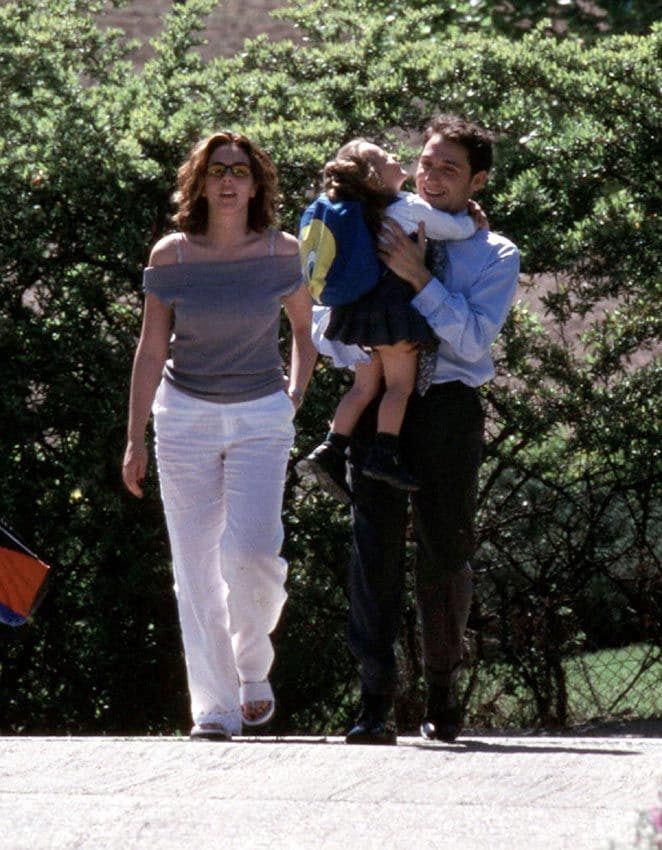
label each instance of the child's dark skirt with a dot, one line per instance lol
(382, 317)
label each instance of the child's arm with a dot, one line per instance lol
(409, 210)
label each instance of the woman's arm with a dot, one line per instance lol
(298, 307)
(148, 363)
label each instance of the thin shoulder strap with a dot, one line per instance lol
(178, 247)
(272, 241)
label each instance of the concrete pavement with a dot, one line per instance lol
(481, 793)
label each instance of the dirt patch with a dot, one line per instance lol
(229, 25)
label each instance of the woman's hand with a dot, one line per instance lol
(298, 307)
(147, 369)
(478, 214)
(134, 467)
(296, 397)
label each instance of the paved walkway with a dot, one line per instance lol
(484, 793)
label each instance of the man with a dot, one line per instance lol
(464, 289)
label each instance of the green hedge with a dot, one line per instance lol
(88, 155)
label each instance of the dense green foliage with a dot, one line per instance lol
(88, 154)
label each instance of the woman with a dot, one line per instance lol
(223, 419)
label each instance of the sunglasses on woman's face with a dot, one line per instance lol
(236, 169)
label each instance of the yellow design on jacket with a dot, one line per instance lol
(317, 247)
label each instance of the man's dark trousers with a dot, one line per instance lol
(441, 441)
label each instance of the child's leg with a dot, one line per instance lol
(399, 364)
(327, 462)
(383, 461)
(367, 380)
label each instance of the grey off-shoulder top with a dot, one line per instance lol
(224, 346)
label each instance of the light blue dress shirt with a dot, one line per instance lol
(466, 310)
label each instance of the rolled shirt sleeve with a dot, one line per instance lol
(470, 318)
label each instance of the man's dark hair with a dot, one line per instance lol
(476, 139)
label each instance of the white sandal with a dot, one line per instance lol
(210, 730)
(252, 692)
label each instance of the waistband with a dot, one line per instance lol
(450, 388)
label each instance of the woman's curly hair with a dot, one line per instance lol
(192, 211)
(351, 177)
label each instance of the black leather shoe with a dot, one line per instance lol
(372, 732)
(326, 465)
(443, 714)
(375, 724)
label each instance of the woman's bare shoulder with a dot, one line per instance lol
(286, 244)
(164, 253)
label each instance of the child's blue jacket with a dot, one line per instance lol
(338, 254)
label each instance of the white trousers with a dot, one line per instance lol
(222, 473)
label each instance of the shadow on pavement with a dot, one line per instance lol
(520, 747)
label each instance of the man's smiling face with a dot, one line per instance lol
(443, 176)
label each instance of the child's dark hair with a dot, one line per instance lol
(351, 177)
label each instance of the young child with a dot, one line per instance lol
(369, 303)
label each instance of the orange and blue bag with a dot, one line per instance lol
(23, 579)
